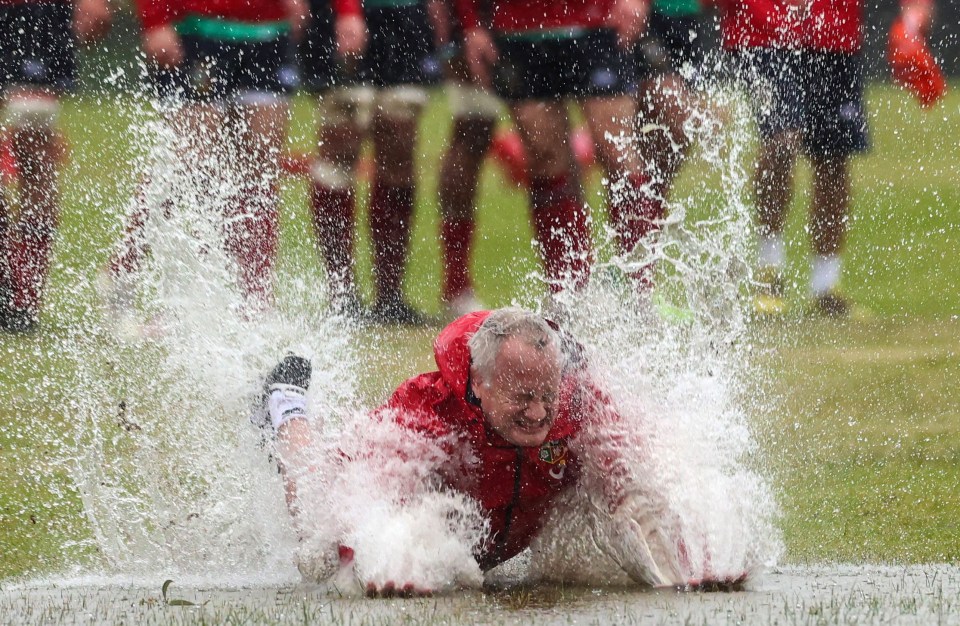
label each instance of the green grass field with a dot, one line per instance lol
(866, 435)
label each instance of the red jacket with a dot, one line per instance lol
(512, 16)
(828, 25)
(514, 486)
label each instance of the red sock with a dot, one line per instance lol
(634, 214)
(29, 261)
(4, 251)
(457, 237)
(251, 238)
(635, 211)
(562, 227)
(334, 213)
(129, 257)
(391, 212)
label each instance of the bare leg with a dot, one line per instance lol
(38, 149)
(295, 449)
(4, 249)
(459, 175)
(828, 227)
(392, 199)
(773, 186)
(333, 198)
(560, 216)
(665, 101)
(193, 121)
(831, 204)
(261, 133)
(773, 183)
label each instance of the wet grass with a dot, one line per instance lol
(863, 423)
(860, 419)
(797, 596)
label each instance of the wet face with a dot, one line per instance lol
(520, 402)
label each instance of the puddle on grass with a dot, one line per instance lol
(846, 594)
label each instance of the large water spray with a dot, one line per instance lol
(175, 481)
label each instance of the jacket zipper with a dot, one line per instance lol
(508, 515)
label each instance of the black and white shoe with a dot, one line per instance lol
(394, 311)
(17, 321)
(284, 393)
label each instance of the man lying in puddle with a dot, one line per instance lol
(461, 468)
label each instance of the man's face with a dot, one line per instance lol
(520, 402)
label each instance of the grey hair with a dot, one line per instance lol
(503, 324)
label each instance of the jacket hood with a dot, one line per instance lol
(452, 353)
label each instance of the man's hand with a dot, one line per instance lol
(351, 32)
(625, 541)
(91, 21)
(163, 47)
(917, 17)
(481, 54)
(629, 19)
(726, 584)
(391, 590)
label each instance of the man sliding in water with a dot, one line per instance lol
(515, 411)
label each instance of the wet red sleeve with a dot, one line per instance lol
(413, 404)
(609, 439)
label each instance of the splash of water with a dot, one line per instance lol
(678, 382)
(170, 472)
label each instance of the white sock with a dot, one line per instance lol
(824, 274)
(773, 251)
(285, 403)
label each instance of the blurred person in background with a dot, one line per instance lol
(802, 64)
(536, 56)
(369, 66)
(668, 61)
(37, 65)
(476, 112)
(219, 76)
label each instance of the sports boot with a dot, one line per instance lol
(284, 393)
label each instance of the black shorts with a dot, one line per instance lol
(400, 49)
(672, 45)
(817, 93)
(36, 45)
(215, 70)
(317, 52)
(587, 65)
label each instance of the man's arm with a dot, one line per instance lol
(298, 13)
(630, 523)
(350, 28)
(479, 48)
(635, 525)
(760, 10)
